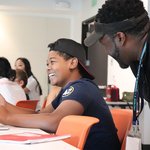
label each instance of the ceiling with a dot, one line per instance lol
(40, 5)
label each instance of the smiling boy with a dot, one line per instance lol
(79, 96)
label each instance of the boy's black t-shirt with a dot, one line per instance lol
(103, 135)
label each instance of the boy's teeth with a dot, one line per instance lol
(52, 74)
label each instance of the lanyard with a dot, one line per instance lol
(136, 89)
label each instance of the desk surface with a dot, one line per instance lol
(53, 145)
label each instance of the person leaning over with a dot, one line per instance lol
(66, 68)
(123, 29)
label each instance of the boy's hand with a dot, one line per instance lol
(3, 114)
(2, 101)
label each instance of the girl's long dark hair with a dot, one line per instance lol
(29, 72)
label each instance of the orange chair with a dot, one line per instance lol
(78, 127)
(44, 104)
(30, 104)
(122, 119)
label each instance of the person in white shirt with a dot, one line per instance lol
(9, 90)
(33, 87)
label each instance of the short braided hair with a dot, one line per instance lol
(119, 10)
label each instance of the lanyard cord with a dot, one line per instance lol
(136, 100)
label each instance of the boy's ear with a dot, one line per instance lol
(73, 63)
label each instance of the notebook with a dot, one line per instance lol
(3, 127)
(30, 138)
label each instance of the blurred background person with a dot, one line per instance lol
(33, 88)
(21, 78)
(10, 91)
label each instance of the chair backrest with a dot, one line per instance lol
(78, 127)
(122, 119)
(44, 103)
(30, 104)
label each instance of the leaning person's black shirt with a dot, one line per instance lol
(103, 135)
(144, 81)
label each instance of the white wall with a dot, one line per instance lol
(122, 78)
(89, 10)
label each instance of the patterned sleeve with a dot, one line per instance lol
(78, 92)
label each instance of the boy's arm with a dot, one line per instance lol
(47, 109)
(44, 121)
